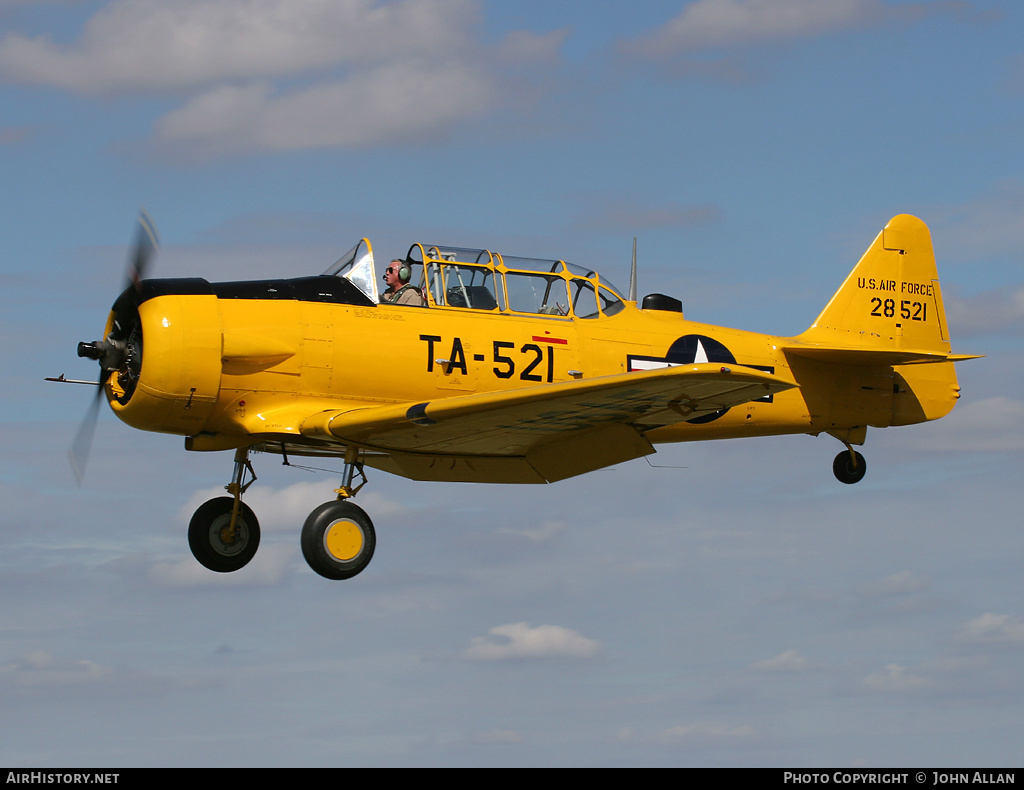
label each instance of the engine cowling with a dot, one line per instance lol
(169, 378)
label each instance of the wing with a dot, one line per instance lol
(542, 433)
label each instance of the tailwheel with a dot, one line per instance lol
(849, 466)
(338, 540)
(215, 543)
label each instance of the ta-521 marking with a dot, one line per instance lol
(536, 362)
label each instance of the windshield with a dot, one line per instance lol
(356, 266)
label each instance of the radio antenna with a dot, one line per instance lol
(632, 275)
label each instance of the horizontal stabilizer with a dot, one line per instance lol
(873, 356)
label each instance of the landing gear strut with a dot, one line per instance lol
(224, 532)
(849, 466)
(338, 537)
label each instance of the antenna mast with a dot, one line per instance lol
(632, 275)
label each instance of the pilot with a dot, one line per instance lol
(400, 290)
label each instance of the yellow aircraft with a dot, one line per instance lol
(513, 370)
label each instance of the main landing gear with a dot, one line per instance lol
(849, 466)
(224, 533)
(338, 538)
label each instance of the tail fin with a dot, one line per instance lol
(891, 301)
(889, 314)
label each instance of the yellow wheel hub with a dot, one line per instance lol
(343, 540)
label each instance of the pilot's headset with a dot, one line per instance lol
(404, 272)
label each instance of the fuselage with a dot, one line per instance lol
(226, 362)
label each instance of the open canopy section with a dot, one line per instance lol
(473, 279)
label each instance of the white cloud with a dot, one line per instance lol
(900, 583)
(9, 4)
(282, 75)
(684, 732)
(267, 569)
(393, 103)
(499, 736)
(992, 224)
(999, 311)
(10, 135)
(979, 230)
(893, 677)
(995, 628)
(518, 640)
(788, 661)
(148, 44)
(544, 533)
(621, 215)
(990, 424)
(42, 669)
(710, 24)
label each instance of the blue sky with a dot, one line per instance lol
(739, 607)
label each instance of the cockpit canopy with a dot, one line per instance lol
(457, 277)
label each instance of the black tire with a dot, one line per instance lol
(338, 540)
(849, 470)
(208, 540)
